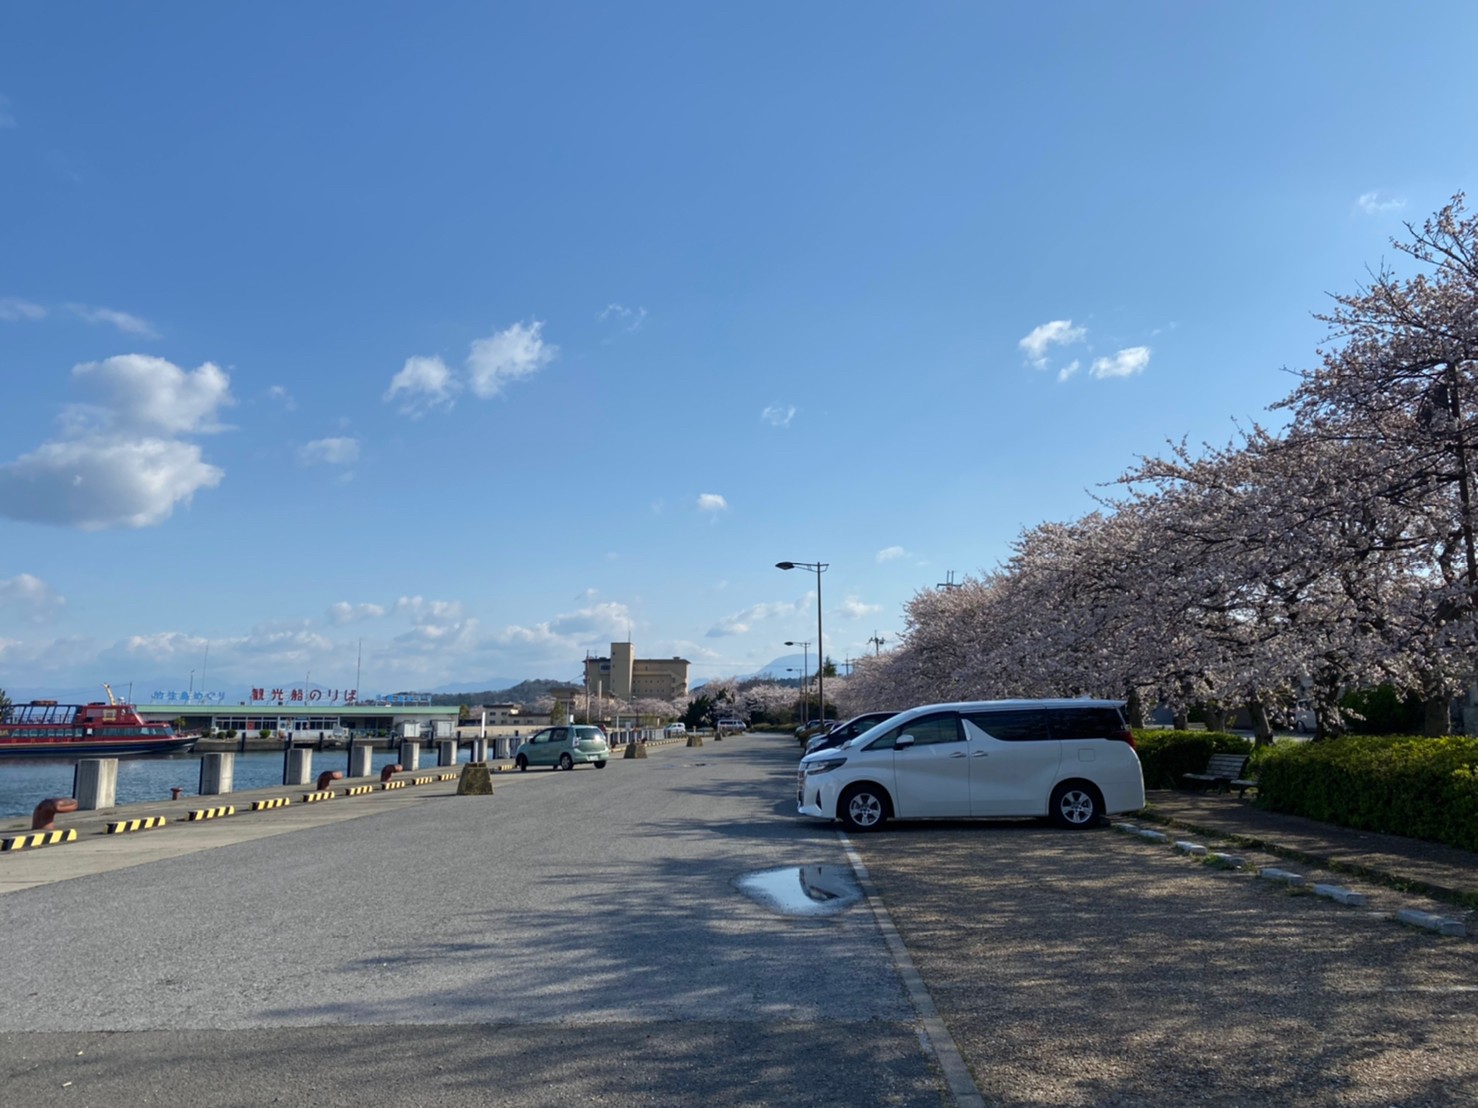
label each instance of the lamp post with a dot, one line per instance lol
(805, 676)
(805, 695)
(819, 567)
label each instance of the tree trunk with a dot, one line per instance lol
(1182, 720)
(1134, 708)
(1434, 717)
(1262, 730)
(1216, 719)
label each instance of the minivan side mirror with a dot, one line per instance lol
(903, 740)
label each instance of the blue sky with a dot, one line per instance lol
(466, 338)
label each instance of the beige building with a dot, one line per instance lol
(627, 677)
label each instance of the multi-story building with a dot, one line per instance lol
(627, 677)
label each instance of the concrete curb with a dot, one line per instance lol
(146, 823)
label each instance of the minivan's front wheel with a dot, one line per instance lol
(566, 762)
(862, 808)
(1075, 804)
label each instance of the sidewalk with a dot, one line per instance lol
(1442, 872)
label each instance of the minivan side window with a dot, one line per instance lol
(926, 730)
(1018, 725)
(1084, 723)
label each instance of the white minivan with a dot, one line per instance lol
(1070, 760)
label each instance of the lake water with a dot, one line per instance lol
(24, 783)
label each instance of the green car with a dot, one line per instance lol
(565, 747)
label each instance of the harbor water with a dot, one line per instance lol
(24, 783)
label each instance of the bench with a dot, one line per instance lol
(1224, 773)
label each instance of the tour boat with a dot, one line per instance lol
(46, 729)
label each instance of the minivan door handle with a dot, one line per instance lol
(981, 754)
(958, 754)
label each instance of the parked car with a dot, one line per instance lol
(731, 725)
(846, 732)
(564, 747)
(675, 729)
(813, 727)
(1070, 760)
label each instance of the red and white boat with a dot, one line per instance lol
(46, 729)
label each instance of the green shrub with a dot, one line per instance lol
(1383, 711)
(1403, 785)
(1165, 755)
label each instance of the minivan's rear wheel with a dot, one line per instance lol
(1075, 804)
(522, 763)
(862, 808)
(566, 762)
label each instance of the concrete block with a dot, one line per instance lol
(446, 752)
(1190, 848)
(695, 740)
(635, 750)
(95, 783)
(361, 760)
(1282, 875)
(216, 772)
(299, 769)
(1127, 828)
(1229, 861)
(505, 746)
(1340, 895)
(1430, 922)
(475, 780)
(410, 756)
(1153, 836)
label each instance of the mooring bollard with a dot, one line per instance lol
(326, 776)
(216, 771)
(390, 771)
(299, 766)
(49, 809)
(174, 792)
(95, 783)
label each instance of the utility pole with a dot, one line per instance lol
(877, 643)
(949, 582)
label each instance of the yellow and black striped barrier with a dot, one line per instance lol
(146, 823)
(422, 780)
(211, 813)
(392, 784)
(39, 838)
(447, 776)
(358, 790)
(322, 794)
(275, 802)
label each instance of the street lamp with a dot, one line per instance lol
(805, 672)
(819, 567)
(805, 695)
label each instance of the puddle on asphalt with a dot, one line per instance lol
(802, 890)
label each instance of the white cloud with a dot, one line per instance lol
(1126, 363)
(424, 383)
(1068, 370)
(7, 117)
(1373, 203)
(13, 310)
(335, 452)
(712, 502)
(1059, 332)
(891, 553)
(30, 597)
(343, 612)
(97, 484)
(853, 608)
(279, 394)
(120, 462)
(596, 626)
(145, 395)
(740, 623)
(631, 319)
(777, 415)
(508, 355)
(425, 611)
(125, 322)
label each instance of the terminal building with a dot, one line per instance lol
(308, 714)
(627, 677)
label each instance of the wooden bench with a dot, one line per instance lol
(1224, 773)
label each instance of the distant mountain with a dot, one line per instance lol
(524, 692)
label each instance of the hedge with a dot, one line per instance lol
(1417, 787)
(1165, 755)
